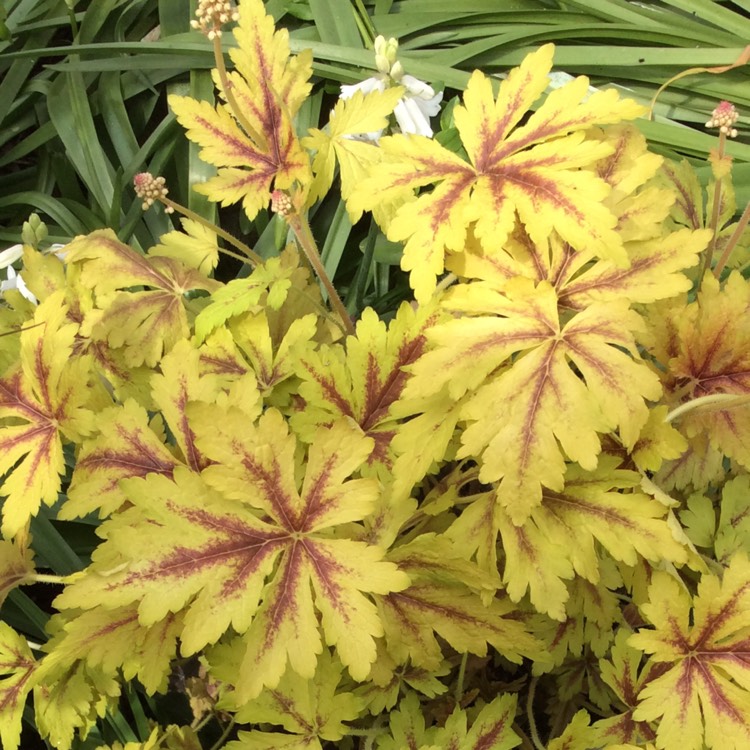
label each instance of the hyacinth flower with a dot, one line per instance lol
(417, 105)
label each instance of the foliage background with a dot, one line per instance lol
(83, 109)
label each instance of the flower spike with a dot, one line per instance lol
(149, 189)
(212, 15)
(281, 203)
(724, 117)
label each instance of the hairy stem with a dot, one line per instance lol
(538, 744)
(733, 240)
(458, 694)
(227, 729)
(715, 213)
(46, 578)
(719, 401)
(526, 743)
(248, 254)
(301, 229)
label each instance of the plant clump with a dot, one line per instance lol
(511, 514)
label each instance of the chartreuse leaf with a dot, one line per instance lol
(655, 271)
(656, 259)
(266, 284)
(710, 352)
(70, 701)
(180, 382)
(592, 614)
(16, 565)
(699, 520)
(43, 273)
(734, 521)
(359, 115)
(532, 171)
(407, 727)
(255, 147)
(691, 209)
(702, 693)
(195, 246)
(312, 710)
(145, 324)
(364, 379)
(533, 410)
(578, 735)
(17, 677)
(251, 536)
(44, 395)
(388, 680)
(595, 508)
(622, 674)
(112, 640)
(273, 364)
(444, 599)
(657, 442)
(339, 570)
(491, 729)
(126, 444)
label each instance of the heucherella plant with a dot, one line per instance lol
(514, 515)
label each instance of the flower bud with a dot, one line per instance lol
(397, 71)
(724, 116)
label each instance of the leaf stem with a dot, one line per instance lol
(220, 742)
(248, 254)
(21, 330)
(525, 741)
(446, 281)
(530, 715)
(374, 732)
(301, 228)
(325, 313)
(729, 399)
(715, 213)
(458, 694)
(733, 240)
(45, 578)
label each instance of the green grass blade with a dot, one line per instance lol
(52, 207)
(70, 112)
(52, 550)
(336, 240)
(336, 22)
(21, 613)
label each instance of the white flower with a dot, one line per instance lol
(15, 281)
(416, 106)
(414, 110)
(10, 255)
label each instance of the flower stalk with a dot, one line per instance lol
(282, 204)
(723, 117)
(152, 190)
(733, 240)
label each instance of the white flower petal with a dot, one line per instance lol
(366, 87)
(411, 118)
(415, 87)
(15, 281)
(10, 255)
